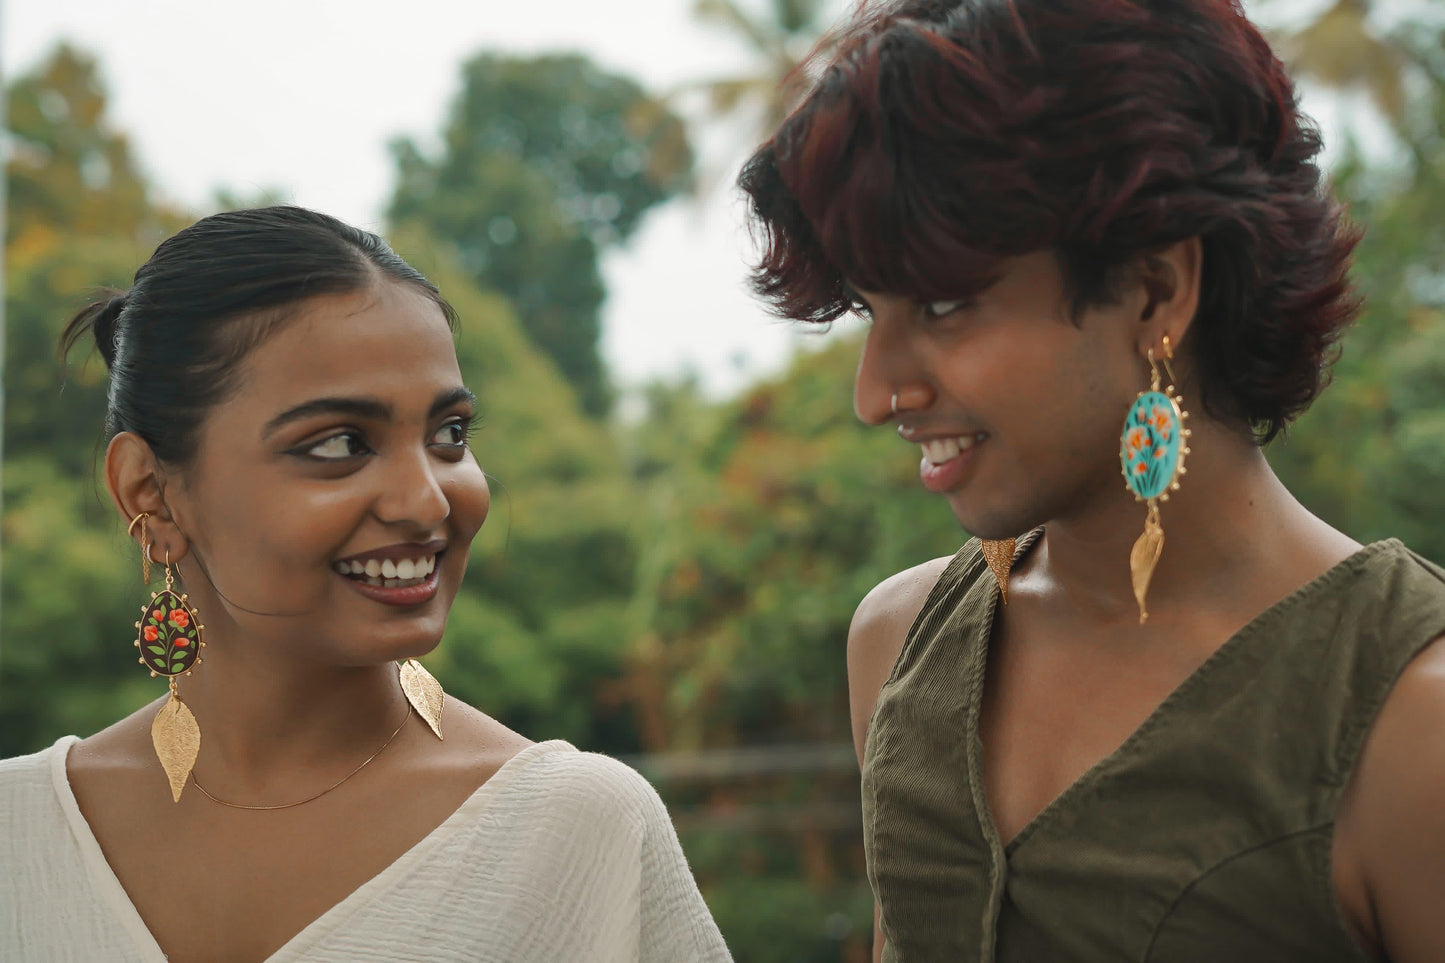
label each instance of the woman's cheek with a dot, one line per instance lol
(470, 499)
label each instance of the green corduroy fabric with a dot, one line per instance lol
(1204, 838)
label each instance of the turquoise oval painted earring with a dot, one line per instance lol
(1151, 453)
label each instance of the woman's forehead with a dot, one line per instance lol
(390, 338)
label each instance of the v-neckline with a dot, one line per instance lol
(112, 894)
(978, 664)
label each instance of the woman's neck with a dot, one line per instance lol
(264, 719)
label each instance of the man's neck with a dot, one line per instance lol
(1232, 526)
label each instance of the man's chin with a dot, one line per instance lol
(990, 526)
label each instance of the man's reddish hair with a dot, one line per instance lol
(948, 135)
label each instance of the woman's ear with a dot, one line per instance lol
(1171, 278)
(137, 484)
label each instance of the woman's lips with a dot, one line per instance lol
(422, 590)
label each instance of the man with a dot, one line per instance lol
(1165, 716)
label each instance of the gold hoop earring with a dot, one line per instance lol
(1152, 448)
(169, 639)
(999, 554)
(145, 544)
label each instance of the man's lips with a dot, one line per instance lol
(947, 462)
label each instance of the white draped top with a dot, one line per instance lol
(560, 856)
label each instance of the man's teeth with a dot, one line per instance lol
(941, 450)
(388, 573)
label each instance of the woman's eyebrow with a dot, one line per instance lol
(368, 408)
(448, 398)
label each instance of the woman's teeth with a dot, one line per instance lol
(389, 574)
(941, 450)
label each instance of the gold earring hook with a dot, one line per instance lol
(1166, 354)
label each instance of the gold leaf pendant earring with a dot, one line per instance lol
(170, 643)
(1151, 453)
(999, 554)
(424, 693)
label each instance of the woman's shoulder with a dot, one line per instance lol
(565, 780)
(33, 773)
(29, 791)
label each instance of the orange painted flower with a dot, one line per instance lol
(1137, 439)
(180, 618)
(158, 614)
(1139, 468)
(182, 642)
(1158, 452)
(152, 633)
(1161, 419)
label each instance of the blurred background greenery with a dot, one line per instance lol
(673, 584)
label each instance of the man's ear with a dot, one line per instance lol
(136, 482)
(1170, 278)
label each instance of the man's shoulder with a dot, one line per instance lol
(1391, 823)
(895, 602)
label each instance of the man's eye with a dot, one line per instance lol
(345, 445)
(941, 309)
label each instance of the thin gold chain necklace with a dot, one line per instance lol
(323, 792)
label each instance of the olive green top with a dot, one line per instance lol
(1204, 838)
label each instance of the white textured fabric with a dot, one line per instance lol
(560, 856)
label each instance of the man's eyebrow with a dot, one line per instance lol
(851, 293)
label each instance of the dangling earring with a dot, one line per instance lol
(169, 640)
(1151, 453)
(424, 693)
(999, 554)
(145, 545)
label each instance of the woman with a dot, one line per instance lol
(289, 452)
(1179, 718)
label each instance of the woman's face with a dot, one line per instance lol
(344, 447)
(1017, 408)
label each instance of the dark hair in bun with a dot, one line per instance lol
(207, 296)
(100, 317)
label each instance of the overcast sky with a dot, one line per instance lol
(302, 96)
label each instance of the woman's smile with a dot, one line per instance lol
(403, 575)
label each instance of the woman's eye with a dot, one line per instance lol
(453, 434)
(337, 447)
(940, 309)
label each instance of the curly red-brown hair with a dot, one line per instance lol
(948, 135)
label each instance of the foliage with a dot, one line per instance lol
(1367, 456)
(678, 585)
(779, 39)
(546, 162)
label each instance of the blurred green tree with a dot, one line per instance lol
(80, 216)
(779, 38)
(1369, 456)
(546, 162)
